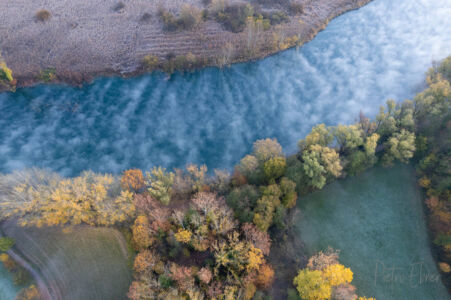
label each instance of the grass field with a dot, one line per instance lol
(82, 263)
(377, 221)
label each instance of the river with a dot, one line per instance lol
(213, 116)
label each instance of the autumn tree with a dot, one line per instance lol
(257, 237)
(132, 180)
(311, 285)
(265, 276)
(142, 235)
(43, 198)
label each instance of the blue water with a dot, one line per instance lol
(8, 290)
(213, 116)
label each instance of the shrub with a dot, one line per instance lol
(43, 15)
(47, 75)
(119, 6)
(146, 17)
(150, 62)
(276, 17)
(6, 244)
(189, 18)
(296, 8)
(5, 72)
(233, 17)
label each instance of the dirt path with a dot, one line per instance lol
(83, 39)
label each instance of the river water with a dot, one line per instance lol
(213, 116)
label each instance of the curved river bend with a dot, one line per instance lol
(213, 116)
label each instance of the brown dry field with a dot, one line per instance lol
(87, 38)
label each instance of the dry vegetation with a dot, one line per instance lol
(43, 15)
(80, 39)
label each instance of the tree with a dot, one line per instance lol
(159, 184)
(322, 260)
(205, 275)
(289, 195)
(254, 258)
(145, 262)
(183, 236)
(42, 198)
(319, 135)
(265, 276)
(274, 167)
(320, 163)
(142, 235)
(400, 146)
(205, 202)
(258, 238)
(132, 180)
(337, 274)
(197, 177)
(243, 200)
(311, 285)
(267, 149)
(348, 137)
(6, 243)
(5, 72)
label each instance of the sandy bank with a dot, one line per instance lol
(83, 39)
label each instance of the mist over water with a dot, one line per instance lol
(213, 116)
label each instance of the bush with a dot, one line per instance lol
(276, 17)
(43, 15)
(296, 8)
(5, 73)
(233, 17)
(6, 243)
(47, 75)
(150, 62)
(118, 7)
(189, 18)
(146, 17)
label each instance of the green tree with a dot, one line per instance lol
(159, 184)
(400, 146)
(289, 195)
(348, 137)
(274, 167)
(320, 163)
(6, 243)
(320, 135)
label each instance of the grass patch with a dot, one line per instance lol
(82, 262)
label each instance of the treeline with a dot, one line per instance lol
(200, 236)
(433, 158)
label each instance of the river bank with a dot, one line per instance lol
(81, 41)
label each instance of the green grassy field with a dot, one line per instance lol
(83, 263)
(377, 221)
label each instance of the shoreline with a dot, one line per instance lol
(207, 51)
